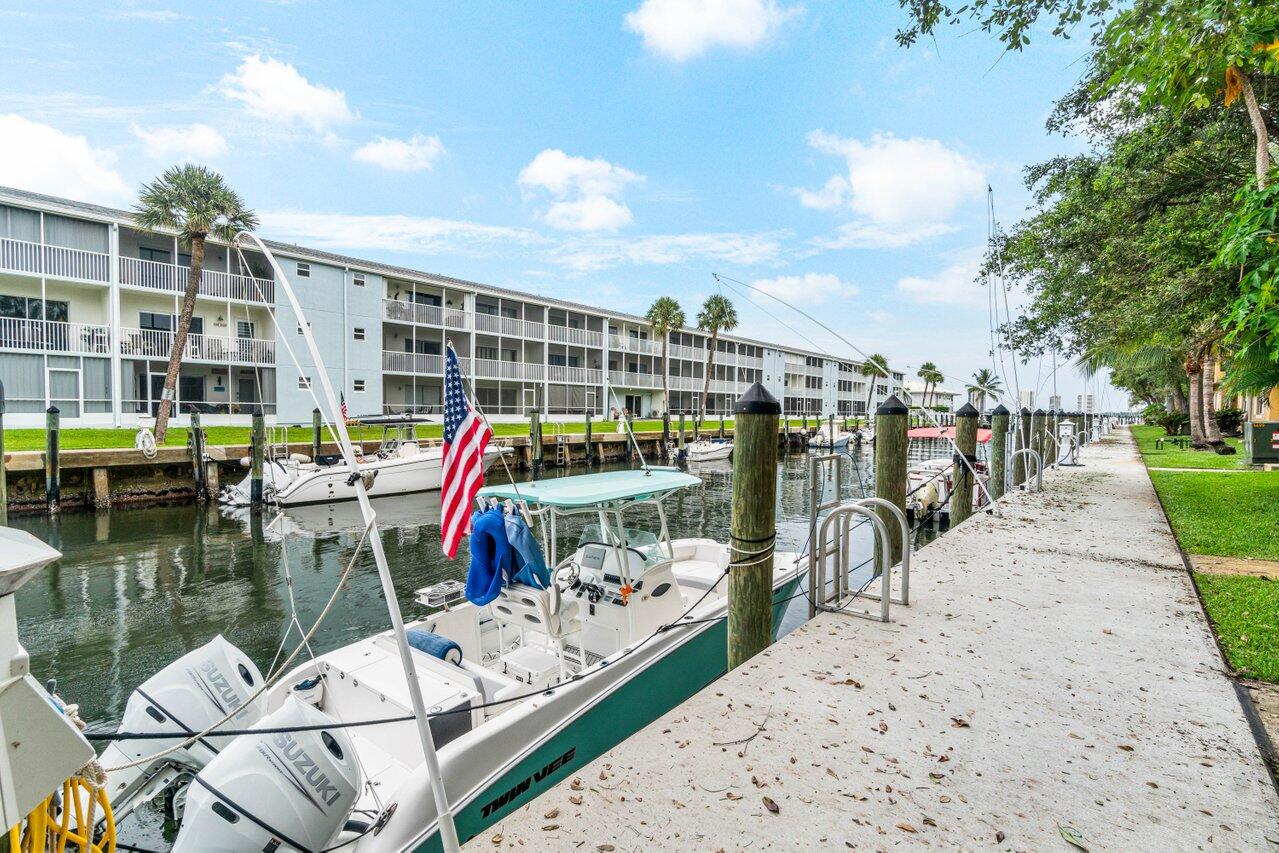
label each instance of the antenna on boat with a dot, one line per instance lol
(448, 831)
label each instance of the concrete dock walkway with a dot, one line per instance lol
(1055, 676)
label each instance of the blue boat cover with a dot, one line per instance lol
(434, 645)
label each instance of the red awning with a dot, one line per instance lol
(983, 435)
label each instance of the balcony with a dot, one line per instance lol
(54, 261)
(625, 343)
(487, 368)
(576, 337)
(626, 379)
(424, 315)
(574, 375)
(158, 344)
(509, 326)
(51, 336)
(417, 362)
(171, 278)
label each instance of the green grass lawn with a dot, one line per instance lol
(1226, 515)
(1245, 612)
(1172, 456)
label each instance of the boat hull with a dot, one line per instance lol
(637, 697)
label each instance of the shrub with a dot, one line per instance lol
(1173, 423)
(1230, 421)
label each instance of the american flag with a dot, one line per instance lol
(466, 435)
(345, 416)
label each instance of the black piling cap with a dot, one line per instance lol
(998, 410)
(757, 401)
(892, 406)
(1025, 412)
(1039, 413)
(968, 410)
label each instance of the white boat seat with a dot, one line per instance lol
(529, 608)
(699, 574)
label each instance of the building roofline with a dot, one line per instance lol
(111, 215)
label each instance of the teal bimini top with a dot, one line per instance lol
(585, 490)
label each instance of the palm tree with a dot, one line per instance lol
(195, 202)
(985, 382)
(875, 367)
(927, 371)
(717, 314)
(663, 316)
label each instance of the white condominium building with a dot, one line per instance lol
(88, 303)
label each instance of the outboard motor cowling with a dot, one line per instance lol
(188, 695)
(297, 787)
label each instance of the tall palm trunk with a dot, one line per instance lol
(1212, 431)
(1179, 401)
(666, 390)
(180, 340)
(1259, 131)
(1194, 373)
(706, 380)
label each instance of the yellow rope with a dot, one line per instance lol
(46, 831)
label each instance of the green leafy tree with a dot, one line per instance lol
(985, 382)
(664, 316)
(929, 374)
(195, 202)
(717, 315)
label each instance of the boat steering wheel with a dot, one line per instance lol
(567, 575)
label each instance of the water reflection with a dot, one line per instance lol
(137, 588)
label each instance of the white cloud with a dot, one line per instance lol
(154, 16)
(810, 287)
(276, 91)
(394, 233)
(41, 158)
(900, 190)
(193, 141)
(402, 155)
(585, 254)
(683, 29)
(585, 191)
(955, 284)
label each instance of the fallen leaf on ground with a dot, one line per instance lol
(771, 806)
(906, 827)
(1072, 836)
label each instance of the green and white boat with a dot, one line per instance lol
(524, 690)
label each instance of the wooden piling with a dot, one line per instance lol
(754, 525)
(1037, 434)
(535, 441)
(721, 424)
(681, 455)
(998, 451)
(891, 443)
(52, 476)
(317, 434)
(961, 501)
(1021, 434)
(666, 435)
(590, 447)
(195, 444)
(257, 456)
(101, 488)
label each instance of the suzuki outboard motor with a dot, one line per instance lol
(281, 791)
(187, 696)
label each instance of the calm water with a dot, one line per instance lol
(137, 588)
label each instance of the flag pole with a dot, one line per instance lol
(448, 830)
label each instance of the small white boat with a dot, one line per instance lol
(401, 465)
(522, 691)
(708, 449)
(823, 438)
(930, 483)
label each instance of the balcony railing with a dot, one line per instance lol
(55, 261)
(512, 326)
(417, 362)
(52, 336)
(625, 343)
(426, 315)
(579, 337)
(487, 368)
(626, 379)
(158, 344)
(172, 278)
(577, 375)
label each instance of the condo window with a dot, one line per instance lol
(358, 386)
(23, 308)
(304, 383)
(357, 333)
(358, 279)
(308, 325)
(304, 270)
(488, 353)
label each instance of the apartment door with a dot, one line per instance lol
(633, 404)
(247, 394)
(66, 390)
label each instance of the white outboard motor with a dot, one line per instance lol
(188, 695)
(284, 791)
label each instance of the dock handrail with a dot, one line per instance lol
(1039, 466)
(817, 582)
(904, 525)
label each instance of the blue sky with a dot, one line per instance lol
(605, 152)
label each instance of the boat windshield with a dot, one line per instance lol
(643, 542)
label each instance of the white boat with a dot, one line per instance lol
(522, 691)
(929, 485)
(823, 438)
(401, 465)
(707, 449)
